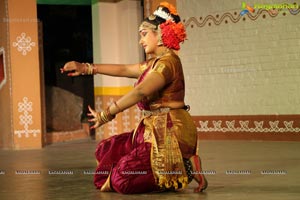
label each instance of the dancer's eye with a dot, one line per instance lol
(144, 33)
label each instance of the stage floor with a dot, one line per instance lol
(236, 170)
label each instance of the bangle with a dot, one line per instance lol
(85, 70)
(105, 116)
(89, 69)
(117, 106)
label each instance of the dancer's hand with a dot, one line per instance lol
(99, 118)
(74, 68)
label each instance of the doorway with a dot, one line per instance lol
(66, 35)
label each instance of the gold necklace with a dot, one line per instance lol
(167, 50)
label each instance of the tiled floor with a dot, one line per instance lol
(268, 170)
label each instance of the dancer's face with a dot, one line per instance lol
(149, 40)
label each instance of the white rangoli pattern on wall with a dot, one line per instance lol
(23, 44)
(26, 120)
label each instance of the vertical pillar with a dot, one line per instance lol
(25, 74)
(115, 40)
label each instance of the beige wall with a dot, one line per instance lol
(115, 36)
(242, 72)
(115, 40)
(242, 67)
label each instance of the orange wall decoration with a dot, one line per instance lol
(23, 130)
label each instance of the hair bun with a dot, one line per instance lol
(170, 7)
(167, 11)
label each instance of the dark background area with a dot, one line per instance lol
(67, 36)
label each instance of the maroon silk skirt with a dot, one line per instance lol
(127, 161)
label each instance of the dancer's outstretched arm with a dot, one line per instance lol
(74, 68)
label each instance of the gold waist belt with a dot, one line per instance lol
(147, 113)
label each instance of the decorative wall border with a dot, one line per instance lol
(234, 17)
(272, 127)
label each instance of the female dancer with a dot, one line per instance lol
(161, 153)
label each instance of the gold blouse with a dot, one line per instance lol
(169, 67)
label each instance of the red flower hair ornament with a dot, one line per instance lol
(172, 34)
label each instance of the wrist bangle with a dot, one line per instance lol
(89, 69)
(89, 72)
(85, 70)
(108, 115)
